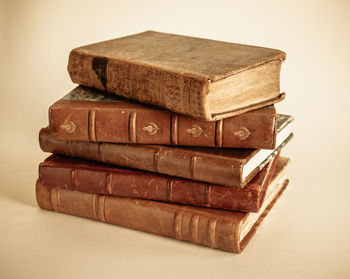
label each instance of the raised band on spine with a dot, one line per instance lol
(218, 133)
(109, 183)
(92, 125)
(193, 166)
(132, 127)
(178, 225)
(174, 129)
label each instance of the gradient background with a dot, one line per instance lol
(306, 236)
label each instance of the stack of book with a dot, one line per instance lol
(171, 135)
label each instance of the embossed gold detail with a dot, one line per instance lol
(243, 133)
(196, 131)
(151, 129)
(69, 127)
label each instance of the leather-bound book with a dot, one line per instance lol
(102, 179)
(204, 79)
(86, 114)
(216, 228)
(224, 166)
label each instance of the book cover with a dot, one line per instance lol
(222, 229)
(89, 177)
(86, 114)
(201, 78)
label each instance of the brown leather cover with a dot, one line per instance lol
(225, 164)
(204, 226)
(96, 178)
(85, 114)
(172, 71)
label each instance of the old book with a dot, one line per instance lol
(201, 78)
(102, 179)
(221, 229)
(230, 167)
(86, 114)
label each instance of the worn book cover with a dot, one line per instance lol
(222, 229)
(228, 166)
(95, 178)
(201, 78)
(86, 114)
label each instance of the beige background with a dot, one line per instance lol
(306, 236)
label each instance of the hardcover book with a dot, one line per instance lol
(230, 167)
(86, 114)
(221, 229)
(102, 179)
(201, 78)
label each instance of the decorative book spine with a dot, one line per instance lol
(178, 92)
(180, 222)
(82, 121)
(152, 158)
(134, 184)
(204, 226)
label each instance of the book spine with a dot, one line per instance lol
(152, 158)
(107, 124)
(212, 228)
(175, 91)
(149, 186)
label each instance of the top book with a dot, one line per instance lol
(201, 78)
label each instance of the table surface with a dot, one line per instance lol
(306, 235)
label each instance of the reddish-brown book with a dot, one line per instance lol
(222, 229)
(204, 79)
(86, 114)
(102, 179)
(229, 167)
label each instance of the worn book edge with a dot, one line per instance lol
(262, 156)
(222, 115)
(275, 186)
(260, 219)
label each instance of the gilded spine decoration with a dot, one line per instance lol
(122, 122)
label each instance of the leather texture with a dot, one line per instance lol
(203, 226)
(168, 70)
(95, 178)
(88, 115)
(208, 59)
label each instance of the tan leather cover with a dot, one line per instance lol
(171, 71)
(204, 226)
(89, 115)
(95, 178)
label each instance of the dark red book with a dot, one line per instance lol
(90, 115)
(103, 179)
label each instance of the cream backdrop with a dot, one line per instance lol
(305, 236)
